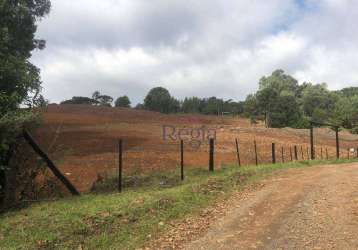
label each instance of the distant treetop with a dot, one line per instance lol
(122, 101)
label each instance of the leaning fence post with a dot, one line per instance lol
(120, 164)
(282, 156)
(273, 153)
(211, 155)
(296, 153)
(49, 163)
(182, 160)
(238, 152)
(255, 149)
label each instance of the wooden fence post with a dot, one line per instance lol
(348, 153)
(337, 143)
(238, 152)
(296, 153)
(326, 154)
(291, 153)
(49, 163)
(273, 153)
(321, 153)
(357, 152)
(311, 140)
(255, 149)
(211, 155)
(303, 157)
(182, 160)
(282, 155)
(308, 155)
(120, 164)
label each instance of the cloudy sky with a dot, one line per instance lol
(194, 47)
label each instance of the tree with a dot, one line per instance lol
(348, 92)
(318, 102)
(346, 108)
(105, 100)
(272, 90)
(346, 112)
(213, 106)
(174, 105)
(251, 109)
(102, 100)
(80, 100)
(19, 79)
(139, 106)
(96, 95)
(122, 101)
(285, 112)
(234, 107)
(159, 99)
(192, 105)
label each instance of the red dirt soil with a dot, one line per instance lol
(82, 140)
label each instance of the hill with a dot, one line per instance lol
(83, 140)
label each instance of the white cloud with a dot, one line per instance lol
(197, 48)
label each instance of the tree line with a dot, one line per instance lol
(99, 100)
(279, 101)
(159, 99)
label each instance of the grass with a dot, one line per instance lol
(124, 221)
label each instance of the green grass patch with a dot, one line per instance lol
(124, 221)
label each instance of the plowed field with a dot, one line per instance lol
(82, 140)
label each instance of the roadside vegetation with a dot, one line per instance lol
(127, 220)
(20, 83)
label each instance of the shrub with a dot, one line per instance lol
(11, 126)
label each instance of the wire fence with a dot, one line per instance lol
(99, 159)
(212, 155)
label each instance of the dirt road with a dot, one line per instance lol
(310, 208)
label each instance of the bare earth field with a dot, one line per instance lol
(310, 208)
(83, 141)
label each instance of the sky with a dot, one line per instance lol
(194, 48)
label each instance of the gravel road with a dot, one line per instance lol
(308, 208)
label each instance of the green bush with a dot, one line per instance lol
(11, 126)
